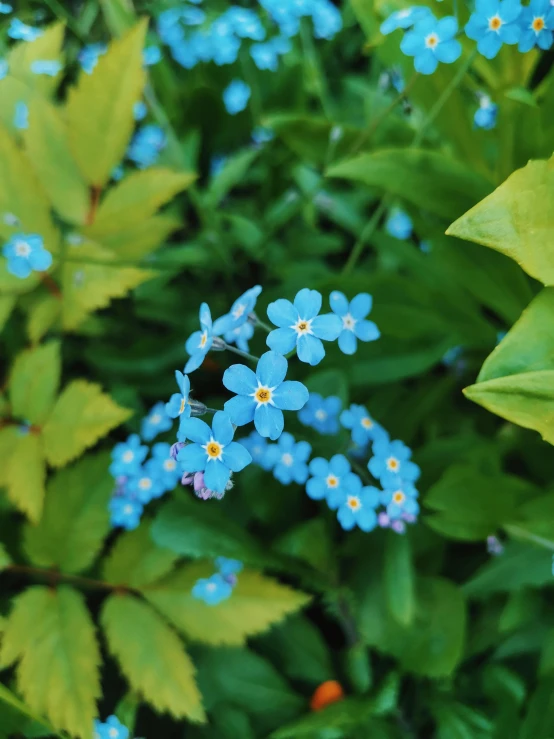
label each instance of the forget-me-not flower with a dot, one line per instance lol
(362, 426)
(353, 315)
(264, 395)
(127, 457)
(236, 96)
(537, 25)
(151, 55)
(266, 55)
(146, 146)
(326, 18)
(321, 414)
(112, 729)
(289, 458)
(404, 18)
(125, 512)
(399, 224)
(240, 310)
(89, 55)
(493, 23)
(245, 23)
(178, 404)
(240, 336)
(400, 500)
(358, 508)
(5, 8)
(257, 445)
(21, 31)
(432, 41)
(228, 566)
(163, 466)
(25, 253)
(140, 111)
(331, 480)
(486, 113)
(300, 326)
(212, 590)
(213, 452)
(145, 484)
(391, 463)
(200, 342)
(155, 422)
(49, 67)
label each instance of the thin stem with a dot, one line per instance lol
(233, 349)
(55, 577)
(52, 286)
(262, 324)
(212, 410)
(366, 234)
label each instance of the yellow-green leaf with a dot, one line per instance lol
(8, 439)
(25, 473)
(81, 416)
(75, 520)
(137, 197)
(18, 719)
(257, 603)
(42, 315)
(141, 239)
(47, 47)
(7, 303)
(51, 634)
(100, 108)
(13, 91)
(34, 382)
(517, 219)
(46, 143)
(151, 657)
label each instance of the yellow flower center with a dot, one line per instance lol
(203, 339)
(113, 733)
(495, 23)
(538, 24)
(213, 449)
(366, 422)
(399, 497)
(320, 415)
(263, 395)
(393, 464)
(182, 406)
(128, 456)
(332, 481)
(145, 483)
(170, 464)
(303, 327)
(287, 459)
(155, 419)
(354, 503)
(431, 41)
(239, 310)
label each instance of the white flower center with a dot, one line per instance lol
(128, 456)
(366, 422)
(332, 481)
(320, 414)
(145, 483)
(287, 459)
(348, 322)
(303, 327)
(354, 503)
(431, 41)
(213, 449)
(211, 586)
(404, 13)
(170, 465)
(495, 23)
(128, 509)
(239, 311)
(22, 249)
(485, 102)
(257, 450)
(203, 339)
(113, 733)
(155, 419)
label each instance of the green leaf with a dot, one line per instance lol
(399, 579)
(42, 315)
(135, 560)
(427, 179)
(81, 416)
(7, 304)
(310, 542)
(517, 220)
(75, 518)
(119, 15)
(232, 173)
(99, 109)
(47, 46)
(137, 197)
(47, 146)
(344, 717)
(540, 713)
(34, 382)
(16, 718)
(151, 657)
(142, 238)
(52, 636)
(25, 473)
(256, 603)
(5, 558)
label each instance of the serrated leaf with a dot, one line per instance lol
(99, 109)
(399, 579)
(75, 518)
(17, 719)
(151, 657)
(88, 287)
(42, 315)
(256, 603)
(25, 473)
(136, 561)
(517, 220)
(47, 47)
(7, 303)
(139, 240)
(81, 416)
(137, 197)
(52, 636)
(34, 382)
(46, 145)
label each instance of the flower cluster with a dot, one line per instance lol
(25, 253)
(111, 729)
(219, 587)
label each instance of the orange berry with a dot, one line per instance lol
(328, 692)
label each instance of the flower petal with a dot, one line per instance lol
(448, 51)
(236, 456)
(40, 259)
(282, 313)
(272, 369)
(411, 44)
(192, 344)
(205, 316)
(346, 518)
(308, 303)
(426, 62)
(316, 489)
(291, 396)
(339, 465)
(347, 342)
(240, 379)
(489, 45)
(510, 33)
(361, 305)
(282, 340)
(193, 458)
(223, 324)
(216, 475)
(319, 467)
(310, 349)
(241, 409)
(366, 331)
(269, 421)
(447, 28)
(338, 303)
(196, 430)
(299, 473)
(223, 428)
(327, 327)
(303, 451)
(367, 519)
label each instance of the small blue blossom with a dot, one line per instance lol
(228, 566)
(405, 18)
(399, 224)
(240, 336)
(236, 96)
(358, 509)
(321, 414)
(146, 145)
(245, 23)
(21, 116)
(140, 111)
(289, 458)
(4, 68)
(127, 457)
(432, 41)
(326, 18)
(262, 135)
(257, 446)
(362, 426)
(178, 404)
(25, 253)
(213, 452)
(212, 590)
(89, 55)
(493, 23)
(21, 31)
(112, 729)
(155, 422)
(163, 466)
(266, 55)
(200, 342)
(486, 113)
(331, 480)
(391, 463)
(352, 315)
(151, 55)
(226, 51)
(5, 8)
(48, 67)
(537, 24)
(263, 396)
(125, 512)
(239, 313)
(400, 500)
(300, 326)
(145, 484)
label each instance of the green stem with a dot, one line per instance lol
(233, 349)
(366, 234)
(54, 577)
(263, 325)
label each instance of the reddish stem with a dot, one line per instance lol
(95, 193)
(52, 286)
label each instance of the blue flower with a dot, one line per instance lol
(178, 404)
(240, 336)
(262, 397)
(155, 422)
(25, 253)
(262, 135)
(486, 113)
(21, 31)
(4, 68)
(300, 326)
(48, 67)
(359, 508)
(21, 116)
(405, 18)
(5, 8)
(112, 729)
(200, 342)
(239, 313)
(163, 466)
(331, 480)
(212, 590)
(145, 484)
(399, 224)
(321, 414)
(140, 111)
(146, 146)
(151, 55)
(400, 500)
(537, 24)
(226, 51)
(257, 446)
(432, 41)
(228, 566)
(245, 23)
(354, 325)
(288, 459)
(363, 427)
(89, 55)
(213, 452)
(236, 96)
(494, 22)
(126, 512)
(266, 56)
(326, 18)
(127, 457)
(391, 463)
